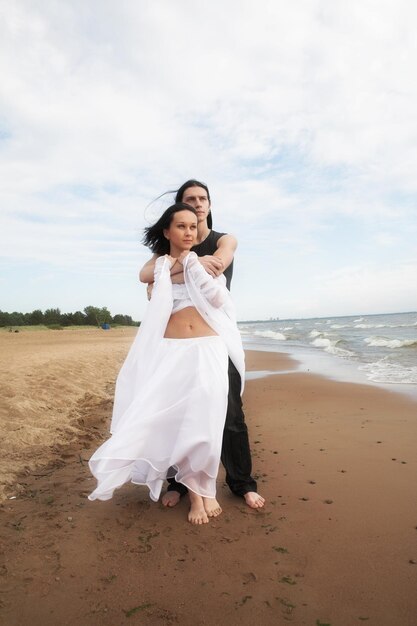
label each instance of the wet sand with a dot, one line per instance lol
(336, 543)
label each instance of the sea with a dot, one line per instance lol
(374, 349)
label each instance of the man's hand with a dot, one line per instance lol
(212, 264)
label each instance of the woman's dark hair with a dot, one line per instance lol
(194, 183)
(154, 235)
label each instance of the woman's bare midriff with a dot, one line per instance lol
(187, 323)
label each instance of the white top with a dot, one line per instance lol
(181, 298)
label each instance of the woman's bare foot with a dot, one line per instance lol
(197, 514)
(171, 498)
(254, 500)
(212, 507)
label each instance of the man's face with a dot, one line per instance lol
(198, 199)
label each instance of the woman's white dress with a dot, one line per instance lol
(171, 394)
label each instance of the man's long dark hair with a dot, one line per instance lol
(154, 237)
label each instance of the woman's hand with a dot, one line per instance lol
(182, 256)
(171, 260)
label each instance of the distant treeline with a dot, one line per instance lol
(53, 317)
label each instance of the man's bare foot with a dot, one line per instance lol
(197, 514)
(254, 500)
(171, 498)
(212, 507)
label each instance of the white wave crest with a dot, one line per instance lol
(270, 334)
(314, 333)
(384, 342)
(367, 326)
(331, 347)
(336, 326)
(321, 342)
(383, 372)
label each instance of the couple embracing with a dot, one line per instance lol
(178, 407)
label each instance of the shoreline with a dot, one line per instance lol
(331, 367)
(336, 543)
(307, 358)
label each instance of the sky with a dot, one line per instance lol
(300, 117)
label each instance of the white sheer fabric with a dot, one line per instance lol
(175, 421)
(212, 300)
(171, 394)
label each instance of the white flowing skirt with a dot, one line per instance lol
(173, 426)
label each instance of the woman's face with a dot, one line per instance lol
(182, 232)
(197, 198)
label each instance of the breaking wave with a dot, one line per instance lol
(331, 346)
(384, 342)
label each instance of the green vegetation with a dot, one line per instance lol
(53, 318)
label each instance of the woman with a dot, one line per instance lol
(171, 393)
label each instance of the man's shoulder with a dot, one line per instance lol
(209, 244)
(225, 239)
(215, 233)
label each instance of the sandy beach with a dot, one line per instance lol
(335, 545)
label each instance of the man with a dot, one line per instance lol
(216, 251)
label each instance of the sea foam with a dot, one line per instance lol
(385, 342)
(384, 372)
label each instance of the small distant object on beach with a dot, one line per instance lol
(105, 326)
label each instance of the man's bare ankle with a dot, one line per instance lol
(171, 498)
(254, 500)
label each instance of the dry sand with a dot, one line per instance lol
(336, 543)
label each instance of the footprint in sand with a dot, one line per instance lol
(249, 577)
